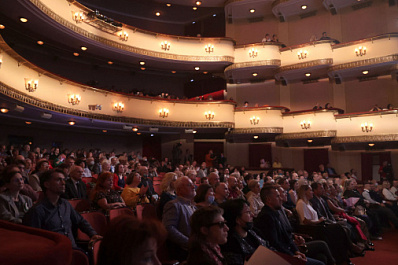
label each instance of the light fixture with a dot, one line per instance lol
(365, 72)
(78, 16)
(308, 74)
(309, 140)
(255, 136)
(197, 68)
(1, 59)
(28, 122)
(209, 115)
(303, 7)
(157, 14)
(371, 144)
(360, 51)
(305, 124)
(194, 8)
(104, 131)
(254, 120)
(71, 123)
(168, 5)
(4, 110)
(165, 45)
(2, 26)
(173, 72)
(198, 3)
(23, 20)
(214, 15)
(76, 54)
(194, 131)
(205, 72)
(74, 99)
(302, 54)
(152, 135)
(143, 68)
(123, 35)
(253, 53)
(31, 85)
(164, 113)
(252, 10)
(255, 74)
(367, 127)
(40, 42)
(142, 63)
(110, 62)
(138, 133)
(193, 22)
(118, 107)
(83, 48)
(209, 48)
(135, 129)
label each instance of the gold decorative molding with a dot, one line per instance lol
(307, 44)
(27, 99)
(365, 114)
(297, 113)
(378, 37)
(126, 47)
(248, 109)
(305, 135)
(325, 62)
(257, 130)
(272, 62)
(378, 60)
(366, 138)
(258, 44)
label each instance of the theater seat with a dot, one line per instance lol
(97, 220)
(94, 247)
(80, 205)
(26, 245)
(79, 258)
(113, 213)
(146, 211)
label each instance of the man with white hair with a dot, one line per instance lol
(176, 218)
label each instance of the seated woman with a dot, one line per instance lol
(253, 197)
(103, 197)
(119, 178)
(208, 231)
(204, 196)
(13, 205)
(132, 195)
(119, 247)
(168, 192)
(34, 179)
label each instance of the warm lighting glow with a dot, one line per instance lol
(302, 54)
(76, 54)
(253, 53)
(209, 115)
(173, 72)
(303, 7)
(198, 3)
(135, 129)
(118, 107)
(3, 110)
(255, 74)
(78, 16)
(308, 74)
(371, 144)
(254, 120)
(168, 5)
(40, 42)
(123, 35)
(360, 51)
(138, 133)
(143, 68)
(23, 20)
(194, 131)
(83, 48)
(110, 62)
(252, 10)
(2, 26)
(209, 48)
(365, 72)
(197, 68)
(305, 124)
(157, 14)
(72, 123)
(255, 136)
(309, 140)
(28, 122)
(205, 72)
(367, 127)
(165, 45)
(142, 63)
(104, 131)
(31, 85)
(164, 113)
(194, 8)
(74, 99)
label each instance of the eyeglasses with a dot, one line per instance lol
(220, 224)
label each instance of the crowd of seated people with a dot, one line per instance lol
(210, 214)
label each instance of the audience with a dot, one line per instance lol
(204, 196)
(168, 192)
(132, 195)
(75, 188)
(103, 196)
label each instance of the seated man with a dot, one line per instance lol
(176, 218)
(54, 213)
(213, 178)
(221, 193)
(75, 188)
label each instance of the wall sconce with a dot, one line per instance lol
(123, 35)
(74, 99)
(360, 51)
(31, 85)
(302, 54)
(165, 45)
(253, 53)
(209, 115)
(367, 127)
(164, 113)
(209, 48)
(1, 59)
(305, 124)
(78, 17)
(254, 120)
(118, 107)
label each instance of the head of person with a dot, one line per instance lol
(282, 194)
(232, 182)
(14, 181)
(386, 184)
(208, 225)
(318, 189)
(104, 181)
(350, 184)
(185, 188)
(42, 165)
(221, 190)
(106, 167)
(70, 161)
(134, 179)
(119, 169)
(76, 173)
(284, 183)
(213, 178)
(192, 175)
(205, 194)
(237, 214)
(119, 247)
(53, 181)
(143, 170)
(271, 197)
(204, 180)
(254, 186)
(293, 184)
(305, 192)
(167, 184)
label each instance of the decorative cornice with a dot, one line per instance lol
(366, 138)
(378, 60)
(274, 62)
(275, 130)
(379, 37)
(248, 109)
(305, 112)
(365, 114)
(125, 47)
(325, 62)
(307, 44)
(45, 105)
(257, 44)
(305, 135)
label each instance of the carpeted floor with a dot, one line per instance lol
(386, 251)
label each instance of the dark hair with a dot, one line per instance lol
(315, 185)
(232, 210)
(292, 182)
(8, 176)
(41, 162)
(47, 175)
(125, 238)
(201, 192)
(281, 180)
(130, 177)
(100, 181)
(203, 217)
(203, 179)
(117, 168)
(266, 191)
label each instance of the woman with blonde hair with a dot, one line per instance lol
(168, 192)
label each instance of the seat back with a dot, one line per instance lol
(146, 211)
(97, 220)
(79, 258)
(113, 213)
(88, 180)
(157, 189)
(80, 205)
(95, 246)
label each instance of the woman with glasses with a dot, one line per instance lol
(208, 231)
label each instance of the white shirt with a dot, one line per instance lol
(389, 195)
(305, 211)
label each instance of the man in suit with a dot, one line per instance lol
(75, 188)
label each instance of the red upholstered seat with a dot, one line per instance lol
(157, 189)
(146, 211)
(79, 258)
(95, 249)
(113, 213)
(97, 220)
(88, 180)
(80, 205)
(26, 245)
